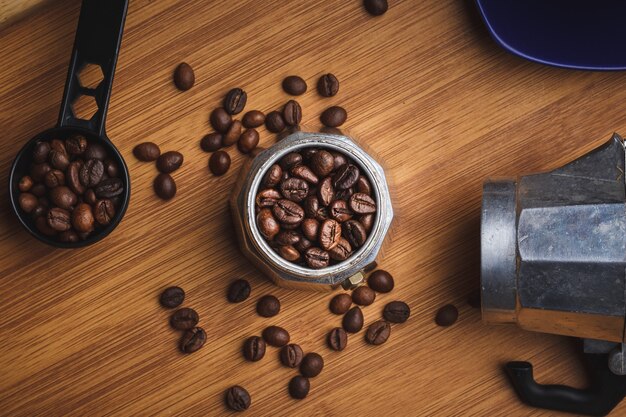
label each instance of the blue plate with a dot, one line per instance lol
(580, 34)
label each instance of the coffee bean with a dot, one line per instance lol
(69, 236)
(363, 186)
(219, 162)
(248, 140)
(267, 224)
(327, 85)
(273, 176)
(268, 306)
(294, 189)
(287, 237)
(340, 303)
(253, 119)
(303, 244)
(169, 162)
(346, 177)
(220, 120)
(42, 225)
(326, 192)
(192, 340)
(376, 7)
(238, 291)
(362, 203)
(288, 212)
(474, 299)
(254, 349)
(59, 160)
(311, 206)
(72, 177)
(184, 78)
(109, 188)
(211, 142)
(63, 197)
(184, 319)
(38, 211)
(267, 197)
(39, 171)
(339, 211)
(59, 219)
(95, 151)
(172, 297)
(25, 183)
(76, 144)
(235, 101)
(380, 281)
(290, 160)
(367, 221)
(110, 168)
(396, 312)
(233, 133)
(294, 85)
(289, 253)
(147, 151)
(354, 232)
(276, 336)
(164, 186)
(89, 197)
(82, 218)
(322, 163)
(329, 234)
(305, 173)
(237, 398)
(333, 116)
(316, 258)
(378, 333)
(310, 228)
(299, 387)
(337, 339)
(40, 152)
(38, 190)
(291, 355)
(274, 122)
(104, 211)
(27, 202)
(447, 315)
(353, 320)
(363, 296)
(292, 113)
(91, 173)
(312, 365)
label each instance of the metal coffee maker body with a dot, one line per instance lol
(348, 273)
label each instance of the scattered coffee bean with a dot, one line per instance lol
(447, 315)
(380, 281)
(396, 312)
(25, 184)
(299, 387)
(82, 218)
(327, 85)
(238, 291)
(253, 119)
(169, 162)
(235, 101)
(291, 355)
(333, 116)
(233, 133)
(353, 320)
(172, 297)
(164, 186)
(340, 303)
(254, 348)
(474, 299)
(248, 140)
(294, 85)
(376, 7)
(274, 122)
(237, 398)
(292, 113)
(211, 142)
(363, 296)
(378, 333)
(337, 339)
(312, 364)
(192, 340)
(220, 120)
(219, 162)
(276, 336)
(184, 319)
(268, 306)
(184, 78)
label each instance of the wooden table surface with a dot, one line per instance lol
(81, 332)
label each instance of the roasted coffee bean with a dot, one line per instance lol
(248, 140)
(363, 186)
(326, 192)
(95, 151)
(346, 177)
(267, 197)
(339, 211)
(58, 145)
(333, 116)
(294, 85)
(184, 319)
(308, 153)
(109, 188)
(41, 222)
(164, 186)
(353, 320)
(147, 151)
(376, 7)
(69, 236)
(233, 133)
(447, 315)
(254, 348)
(82, 218)
(339, 158)
(274, 122)
(63, 197)
(39, 210)
(91, 173)
(76, 144)
(311, 206)
(362, 203)
(104, 211)
(184, 77)
(39, 171)
(40, 152)
(299, 387)
(397, 312)
(322, 163)
(268, 306)
(27, 202)
(291, 355)
(253, 119)
(38, 190)
(292, 113)
(219, 163)
(220, 120)
(329, 234)
(289, 253)
(111, 168)
(316, 258)
(192, 340)
(72, 177)
(287, 237)
(344, 194)
(54, 178)
(294, 189)
(25, 183)
(169, 162)
(305, 173)
(276, 336)
(273, 176)
(380, 281)
(235, 101)
(378, 333)
(340, 304)
(211, 142)
(367, 221)
(312, 365)
(363, 296)
(288, 212)
(237, 398)
(327, 85)
(290, 160)
(355, 233)
(59, 219)
(238, 291)
(310, 228)
(474, 299)
(172, 297)
(267, 224)
(89, 197)
(337, 339)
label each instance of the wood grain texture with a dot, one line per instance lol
(11, 10)
(81, 332)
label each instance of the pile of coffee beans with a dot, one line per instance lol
(168, 162)
(73, 189)
(185, 319)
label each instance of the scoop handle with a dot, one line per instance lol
(97, 42)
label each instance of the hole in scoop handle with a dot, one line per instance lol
(97, 42)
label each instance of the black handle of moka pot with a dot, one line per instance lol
(97, 42)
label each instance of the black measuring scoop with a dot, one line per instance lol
(97, 44)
